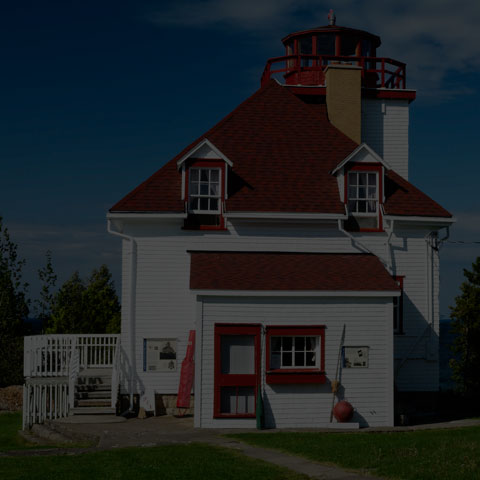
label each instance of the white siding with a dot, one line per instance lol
(165, 306)
(368, 323)
(385, 130)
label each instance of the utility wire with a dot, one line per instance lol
(461, 242)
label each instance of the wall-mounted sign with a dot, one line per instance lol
(355, 357)
(159, 354)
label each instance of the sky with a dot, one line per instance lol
(97, 96)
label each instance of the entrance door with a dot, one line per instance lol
(237, 370)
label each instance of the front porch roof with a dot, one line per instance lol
(263, 271)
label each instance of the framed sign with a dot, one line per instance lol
(159, 354)
(355, 357)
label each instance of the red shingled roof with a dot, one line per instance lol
(282, 151)
(288, 271)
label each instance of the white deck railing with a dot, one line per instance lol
(51, 366)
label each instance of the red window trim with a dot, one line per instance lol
(199, 163)
(399, 279)
(295, 375)
(368, 167)
(238, 380)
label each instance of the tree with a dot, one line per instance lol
(91, 308)
(13, 311)
(43, 306)
(466, 325)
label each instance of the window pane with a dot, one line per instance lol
(275, 360)
(214, 204)
(372, 192)
(352, 206)
(194, 174)
(372, 206)
(362, 178)
(204, 175)
(276, 343)
(214, 175)
(372, 178)
(352, 178)
(214, 189)
(204, 189)
(204, 204)
(287, 343)
(362, 192)
(238, 354)
(310, 360)
(228, 399)
(194, 204)
(310, 343)
(299, 344)
(246, 400)
(325, 44)
(286, 359)
(194, 189)
(352, 192)
(362, 206)
(299, 359)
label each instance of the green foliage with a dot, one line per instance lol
(86, 308)
(466, 325)
(13, 311)
(48, 279)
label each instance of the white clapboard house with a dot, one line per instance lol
(286, 224)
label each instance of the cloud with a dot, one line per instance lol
(437, 39)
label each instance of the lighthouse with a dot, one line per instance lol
(366, 95)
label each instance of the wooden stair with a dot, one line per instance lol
(93, 392)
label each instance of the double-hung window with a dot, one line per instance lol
(295, 354)
(204, 190)
(363, 196)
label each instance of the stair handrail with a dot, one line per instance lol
(73, 371)
(115, 374)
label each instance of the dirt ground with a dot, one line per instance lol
(11, 398)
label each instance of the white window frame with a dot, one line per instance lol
(366, 198)
(209, 196)
(316, 350)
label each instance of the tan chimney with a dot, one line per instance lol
(344, 103)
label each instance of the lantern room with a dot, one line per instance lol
(309, 52)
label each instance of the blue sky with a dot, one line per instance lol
(96, 96)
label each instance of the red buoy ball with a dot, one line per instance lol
(343, 411)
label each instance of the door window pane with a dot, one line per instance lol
(238, 354)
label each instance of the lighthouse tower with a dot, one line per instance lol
(366, 95)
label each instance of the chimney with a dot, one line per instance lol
(344, 103)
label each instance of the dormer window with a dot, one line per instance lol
(204, 192)
(363, 196)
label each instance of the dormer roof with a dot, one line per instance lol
(362, 154)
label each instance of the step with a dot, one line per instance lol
(94, 380)
(96, 372)
(92, 411)
(94, 402)
(104, 394)
(93, 388)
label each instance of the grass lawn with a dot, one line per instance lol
(422, 455)
(186, 462)
(10, 424)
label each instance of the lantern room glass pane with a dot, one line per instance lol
(348, 45)
(325, 44)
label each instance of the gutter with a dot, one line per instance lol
(131, 302)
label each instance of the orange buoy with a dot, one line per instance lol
(343, 411)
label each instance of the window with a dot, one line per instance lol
(204, 190)
(363, 195)
(295, 354)
(398, 307)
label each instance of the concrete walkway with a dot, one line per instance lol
(116, 432)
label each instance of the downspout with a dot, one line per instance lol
(131, 301)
